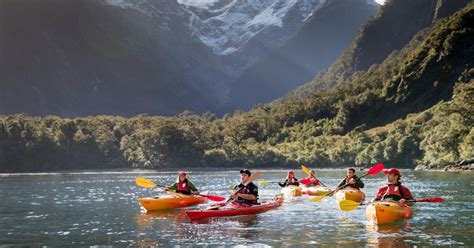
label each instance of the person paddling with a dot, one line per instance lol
(247, 194)
(394, 189)
(290, 180)
(351, 181)
(311, 180)
(183, 185)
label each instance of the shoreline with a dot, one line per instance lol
(465, 165)
(460, 167)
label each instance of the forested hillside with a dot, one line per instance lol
(414, 107)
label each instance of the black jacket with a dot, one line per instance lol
(250, 188)
(357, 185)
(286, 183)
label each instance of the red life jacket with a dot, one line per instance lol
(393, 189)
(244, 191)
(349, 181)
(183, 186)
(291, 180)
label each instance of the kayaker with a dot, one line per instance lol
(290, 180)
(183, 185)
(394, 189)
(311, 180)
(247, 194)
(351, 181)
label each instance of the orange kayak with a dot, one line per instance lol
(317, 190)
(174, 200)
(387, 212)
(350, 194)
(291, 191)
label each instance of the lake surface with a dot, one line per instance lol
(101, 208)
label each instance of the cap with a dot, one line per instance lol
(291, 172)
(246, 172)
(313, 172)
(182, 173)
(392, 171)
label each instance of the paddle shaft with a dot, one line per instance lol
(162, 186)
(306, 170)
(372, 171)
(414, 200)
(366, 174)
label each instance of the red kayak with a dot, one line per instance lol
(234, 209)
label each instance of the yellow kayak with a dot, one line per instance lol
(174, 200)
(387, 212)
(350, 194)
(291, 190)
(317, 190)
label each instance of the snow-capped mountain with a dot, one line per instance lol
(227, 25)
(125, 57)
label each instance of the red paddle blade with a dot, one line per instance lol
(215, 198)
(431, 199)
(375, 169)
(305, 181)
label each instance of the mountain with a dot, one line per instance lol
(90, 57)
(240, 32)
(329, 30)
(126, 57)
(393, 27)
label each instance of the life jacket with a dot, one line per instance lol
(245, 190)
(350, 180)
(183, 186)
(393, 191)
(291, 180)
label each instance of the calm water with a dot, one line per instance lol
(102, 209)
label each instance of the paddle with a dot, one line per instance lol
(348, 205)
(306, 181)
(374, 170)
(143, 182)
(265, 182)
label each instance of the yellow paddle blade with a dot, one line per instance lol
(317, 198)
(143, 182)
(348, 205)
(263, 182)
(306, 170)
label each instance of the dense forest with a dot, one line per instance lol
(414, 107)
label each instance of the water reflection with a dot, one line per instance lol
(388, 235)
(148, 220)
(242, 221)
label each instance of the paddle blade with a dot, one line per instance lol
(254, 176)
(375, 169)
(306, 170)
(263, 182)
(215, 198)
(348, 205)
(305, 181)
(431, 199)
(143, 182)
(316, 198)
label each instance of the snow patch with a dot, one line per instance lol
(198, 3)
(227, 25)
(131, 4)
(273, 15)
